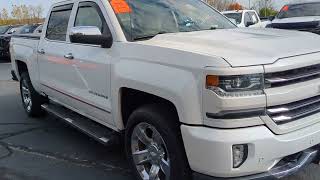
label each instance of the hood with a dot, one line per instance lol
(241, 46)
(307, 22)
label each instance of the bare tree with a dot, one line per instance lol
(4, 14)
(260, 4)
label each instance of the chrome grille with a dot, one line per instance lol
(284, 78)
(293, 111)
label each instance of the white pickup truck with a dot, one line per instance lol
(192, 95)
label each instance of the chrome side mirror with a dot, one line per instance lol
(90, 35)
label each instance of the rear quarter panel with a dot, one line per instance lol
(25, 50)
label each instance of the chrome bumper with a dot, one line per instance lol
(284, 168)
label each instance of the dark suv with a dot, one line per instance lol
(5, 36)
(298, 16)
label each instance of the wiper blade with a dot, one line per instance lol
(149, 36)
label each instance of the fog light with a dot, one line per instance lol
(240, 154)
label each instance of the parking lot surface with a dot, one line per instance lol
(47, 149)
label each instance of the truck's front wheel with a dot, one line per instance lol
(154, 146)
(31, 99)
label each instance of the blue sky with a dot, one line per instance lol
(46, 3)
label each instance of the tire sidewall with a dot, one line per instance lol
(170, 137)
(35, 97)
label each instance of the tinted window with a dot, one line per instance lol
(254, 17)
(247, 18)
(58, 24)
(4, 29)
(89, 16)
(300, 10)
(27, 29)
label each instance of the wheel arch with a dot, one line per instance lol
(177, 87)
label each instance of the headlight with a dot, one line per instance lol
(242, 85)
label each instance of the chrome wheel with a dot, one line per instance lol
(150, 153)
(26, 95)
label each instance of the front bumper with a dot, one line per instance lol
(281, 171)
(209, 150)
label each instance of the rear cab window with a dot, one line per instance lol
(58, 22)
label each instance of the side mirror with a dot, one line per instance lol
(90, 35)
(249, 23)
(271, 18)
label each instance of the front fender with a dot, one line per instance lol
(181, 87)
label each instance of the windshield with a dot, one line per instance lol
(146, 18)
(299, 10)
(4, 29)
(27, 29)
(235, 16)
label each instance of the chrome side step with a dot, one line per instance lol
(95, 130)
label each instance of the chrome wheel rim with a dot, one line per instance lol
(26, 96)
(150, 153)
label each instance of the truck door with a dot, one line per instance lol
(92, 64)
(57, 74)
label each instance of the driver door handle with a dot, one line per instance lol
(69, 56)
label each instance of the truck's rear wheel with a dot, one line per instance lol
(31, 99)
(154, 146)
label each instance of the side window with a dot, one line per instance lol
(89, 14)
(58, 23)
(254, 17)
(247, 18)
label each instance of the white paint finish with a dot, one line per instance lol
(258, 24)
(241, 46)
(215, 157)
(174, 67)
(294, 62)
(25, 50)
(184, 94)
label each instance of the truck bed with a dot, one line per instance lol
(23, 46)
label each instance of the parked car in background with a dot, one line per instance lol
(298, 16)
(8, 31)
(28, 29)
(265, 21)
(5, 36)
(38, 30)
(244, 18)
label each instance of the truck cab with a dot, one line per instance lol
(244, 18)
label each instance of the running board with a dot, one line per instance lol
(95, 130)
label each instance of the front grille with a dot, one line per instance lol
(288, 77)
(293, 111)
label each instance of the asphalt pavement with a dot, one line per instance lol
(48, 149)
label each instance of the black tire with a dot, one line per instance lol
(166, 123)
(37, 100)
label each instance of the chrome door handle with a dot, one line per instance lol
(69, 56)
(41, 51)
